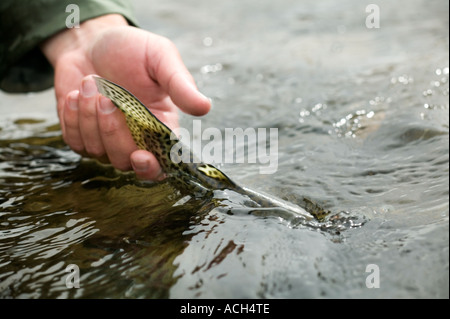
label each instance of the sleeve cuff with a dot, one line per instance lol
(23, 67)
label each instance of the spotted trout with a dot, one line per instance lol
(150, 134)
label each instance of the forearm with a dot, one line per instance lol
(73, 39)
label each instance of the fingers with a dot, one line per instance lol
(92, 126)
(114, 134)
(167, 68)
(119, 146)
(87, 118)
(71, 129)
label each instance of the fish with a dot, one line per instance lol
(152, 135)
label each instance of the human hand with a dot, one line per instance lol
(146, 64)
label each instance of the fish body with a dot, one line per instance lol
(152, 135)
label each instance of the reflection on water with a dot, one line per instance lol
(363, 133)
(59, 210)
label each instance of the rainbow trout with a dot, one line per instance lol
(152, 135)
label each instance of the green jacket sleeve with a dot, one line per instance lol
(25, 24)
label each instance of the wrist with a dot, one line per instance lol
(73, 39)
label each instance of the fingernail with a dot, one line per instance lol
(206, 100)
(140, 166)
(204, 97)
(210, 100)
(106, 106)
(194, 88)
(73, 100)
(88, 87)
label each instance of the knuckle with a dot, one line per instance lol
(109, 129)
(87, 111)
(76, 147)
(95, 150)
(75, 144)
(71, 124)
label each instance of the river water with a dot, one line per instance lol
(362, 118)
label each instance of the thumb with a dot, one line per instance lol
(166, 67)
(184, 93)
